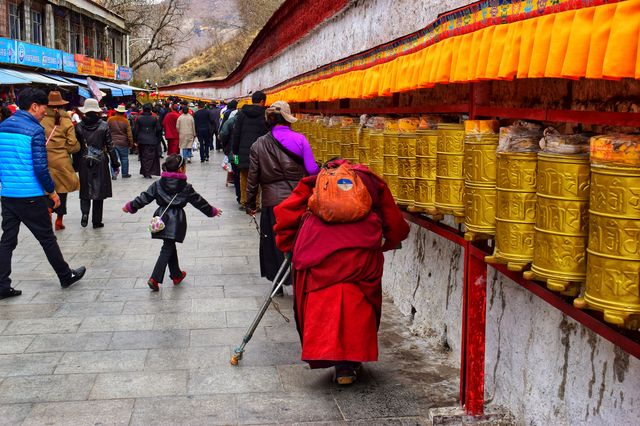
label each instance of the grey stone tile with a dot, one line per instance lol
(117, 323)
(287, 334)
(14, 344)
(228, 379)
(66, 296)
(101, 361)
(196, 411)
(140, 384)
(224, 336)
(287, 407)
(27, 311)
(116, 412)
(14, 414)
(89, 309)
(187, 358)
(225, 304)
(367, 401)
(300, 378)
(245, 318)
(186, 292)
(126, 295)
(254, 290)
(70, 342)
(189, 320)
(150, 339)
(225, 280)
(157, 307)
(3, 325)
(28, 364)
(71, 387)
(261, 353)
(22, 300)
(44, 326)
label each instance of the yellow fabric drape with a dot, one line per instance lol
(595, 42)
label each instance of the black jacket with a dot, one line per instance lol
(202, 120)
(175, 219)
(93, 170)
(147, 130)
(250, 125)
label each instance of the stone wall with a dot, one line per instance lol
(541, 365)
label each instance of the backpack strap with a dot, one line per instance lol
(296, 158)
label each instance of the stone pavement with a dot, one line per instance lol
(110, 351)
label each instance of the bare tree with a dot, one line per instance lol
(157, 28)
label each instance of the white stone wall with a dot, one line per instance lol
(363, 24)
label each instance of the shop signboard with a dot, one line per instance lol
(38, 56)
(7, 51)
(69, 63)
(124, 73)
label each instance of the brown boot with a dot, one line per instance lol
(59, 224)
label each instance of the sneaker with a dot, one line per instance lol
(178, 280)
(126, 176)
(84, 221)
(98, 225)
(114, 177)
(76, 275)
(153, 284)
(12, 292)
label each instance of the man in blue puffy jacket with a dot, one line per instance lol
(26, 188)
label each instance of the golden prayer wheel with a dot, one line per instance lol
(390, 161)
(480, 185)
(425, 186)
(333, 142)
(613, 254)
(376, 152)
(406, 168)
(347, 135)
(364, 146)
(515, 209)
(450, 170)
(562, 211)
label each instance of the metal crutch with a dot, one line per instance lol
(280, 279)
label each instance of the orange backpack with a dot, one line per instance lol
(340, 196)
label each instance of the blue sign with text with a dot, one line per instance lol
(38, 56)
(7, 51)
(69, 63)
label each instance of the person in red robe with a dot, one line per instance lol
(337, 271)
(171, 130)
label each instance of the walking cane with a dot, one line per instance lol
(280, 279)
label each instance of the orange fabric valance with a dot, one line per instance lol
(599, 42)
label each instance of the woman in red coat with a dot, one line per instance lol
(171, 131)
(338, 275)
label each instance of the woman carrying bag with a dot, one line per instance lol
(93, 162)
(61, 142)
(147, 132)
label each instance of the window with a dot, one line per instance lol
(36, 27)
(100, 48)
(116, 50)
(15, 21)
(75, 41)
(62, 32)
(88, 41)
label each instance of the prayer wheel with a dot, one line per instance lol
(425, 185)
(390, 156)
(333, 141)
(515, 209)
(349, 142)
(480, 185)
(450, 170)
(364, 146)
(322, 141)
(562, 211)
(376, 148)
(613, 253)
(406, 168)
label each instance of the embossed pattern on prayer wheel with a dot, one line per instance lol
(480, 185)
(346, 142)
(562, 212)
(390, 158)
(333, 141)
(515, 209)
(450, 169)
(425, 186)
(364, 146)
(376, 149)
(406, 168)
(613, 253)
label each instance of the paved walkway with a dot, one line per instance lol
(109, 351)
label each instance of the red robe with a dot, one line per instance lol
(338, 272)
(171, 132)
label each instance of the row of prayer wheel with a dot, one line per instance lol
(577, 224)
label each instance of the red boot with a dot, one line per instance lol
(59, 224)
(153, 284)
(178, 280)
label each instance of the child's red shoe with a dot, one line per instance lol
(178, 280)
(153, 284)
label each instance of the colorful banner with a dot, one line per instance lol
(7, 51)
(124, 73)
(38, 56)
(69, 63)
(95, 67)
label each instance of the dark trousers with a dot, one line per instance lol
(122, 152)
(96, 213)
(62, 208)
(203, 138)
(168, 256)
(236, 180)
(34, 213)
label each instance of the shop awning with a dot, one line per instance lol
(7, 78)
(126, 90)
(31, 77)
(101, 85)
(62, 80)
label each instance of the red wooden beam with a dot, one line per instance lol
(424, 109)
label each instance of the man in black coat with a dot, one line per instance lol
(215, 125)
(250, 125)
(202, 119)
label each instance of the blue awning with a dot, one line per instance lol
(30, 77)
(63, 81)
(7, 78)
(84, 92)
(101, 85)
(126, 90)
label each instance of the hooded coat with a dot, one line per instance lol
(95, 176)
(61, 144)
(249, 126)
(162, 192)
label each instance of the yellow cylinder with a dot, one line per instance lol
(333, 141)
(376, 149)
(613, 254)
(347, 137)
(364, 146)
(390, 157)
(480, 185)
(515, 209)
(562, 204)
(425, 185)
(406, 168)
(450, 169)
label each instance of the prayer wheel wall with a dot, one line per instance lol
(450, 170)
(613, 254)
(425, 186)
(515, 209)
(376, 156)
(406, 169)
(390, 161)
(562, 206)
(364, 146)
